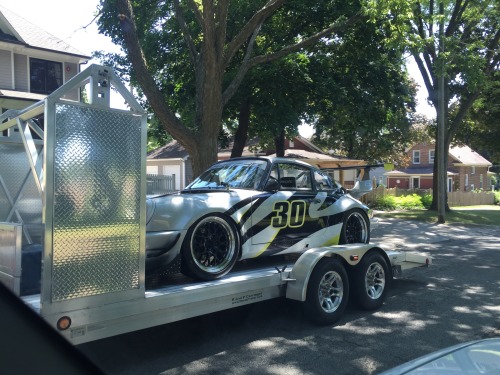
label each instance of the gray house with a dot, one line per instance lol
(33, 63)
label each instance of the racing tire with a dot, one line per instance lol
(327, 293)
(211, 248)
(355, 227)
(371, 280)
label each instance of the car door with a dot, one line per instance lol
(281, 219)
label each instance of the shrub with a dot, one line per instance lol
(408, 202)
(427, 200)
(497, 197)
(386, 203)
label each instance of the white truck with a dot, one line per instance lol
(84, 273)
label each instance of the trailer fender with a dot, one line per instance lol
(299, 276)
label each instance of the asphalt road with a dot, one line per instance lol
(455, 300)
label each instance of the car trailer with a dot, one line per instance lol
(72, 228)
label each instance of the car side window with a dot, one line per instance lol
(323, 182)
(292, 177)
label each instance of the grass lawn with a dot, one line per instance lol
(482, 215)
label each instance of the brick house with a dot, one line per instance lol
(33, 63)
(467, 170)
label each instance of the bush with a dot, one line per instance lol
(427, 200)
(497, 197)
(385, 203)
(408, 202)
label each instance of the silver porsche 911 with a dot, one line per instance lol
(250, 207)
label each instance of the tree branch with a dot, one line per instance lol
(185, 32)
(425, 76)
(247, 30)
(196, 10)
(335, 27)
(221, 24)
(144, 77)
(245, 65)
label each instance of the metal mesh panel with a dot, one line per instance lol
(96, 218)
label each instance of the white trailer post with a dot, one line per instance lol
(75, 188)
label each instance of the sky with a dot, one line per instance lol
(69, 20)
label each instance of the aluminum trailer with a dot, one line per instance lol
(73, 186)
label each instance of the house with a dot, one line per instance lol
(467, 170)
(33, 63)
(173, 159)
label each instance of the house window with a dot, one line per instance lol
(415, 182)
(431, 156)
(45, 76)
(416, 156)
(466, 180)
(473, 170)
(291, 144)
(480, 181)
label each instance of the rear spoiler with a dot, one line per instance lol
(363, 183)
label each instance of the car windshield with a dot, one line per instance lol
(243, 174)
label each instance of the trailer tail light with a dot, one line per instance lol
(354, 258)
(63, 323)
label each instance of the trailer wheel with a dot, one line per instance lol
(355, 228)
(211, 248)
(371, 281)
(327, 292)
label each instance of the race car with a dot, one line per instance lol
(250, 207)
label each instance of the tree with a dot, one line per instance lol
(465, 55)
(151, 32)
(363, 102)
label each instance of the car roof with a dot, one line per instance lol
(272, 159)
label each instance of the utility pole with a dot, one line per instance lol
(441, 154)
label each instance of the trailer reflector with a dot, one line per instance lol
(64, 323)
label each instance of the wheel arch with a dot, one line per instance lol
(345, 254)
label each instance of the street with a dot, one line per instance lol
(457, 299)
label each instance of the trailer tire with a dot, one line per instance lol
(355, 227)
(211, 248)
(327, 293)
(371, 279)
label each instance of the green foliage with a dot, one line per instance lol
(497, 197)
(427, 200)
(407, 202)
(363, 96)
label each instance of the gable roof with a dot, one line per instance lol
(466, 156)
(15, 29)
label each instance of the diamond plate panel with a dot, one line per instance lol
(96, 219)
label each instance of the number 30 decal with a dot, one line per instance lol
(289, 214)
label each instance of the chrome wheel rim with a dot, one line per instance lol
(375, 281)
(331, 291)
(213, 244)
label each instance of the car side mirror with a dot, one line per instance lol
(272, 185)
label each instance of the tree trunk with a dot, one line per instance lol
(240, 138)
(279, 143)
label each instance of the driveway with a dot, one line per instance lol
(455, 300)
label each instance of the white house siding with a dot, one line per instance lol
(5, 70)
(70, 70)
(21, 72)
(169, 170)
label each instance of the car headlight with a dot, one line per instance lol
(150, 209)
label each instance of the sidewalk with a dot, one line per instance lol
(395, 234)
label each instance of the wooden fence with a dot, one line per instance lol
(455, 198)
(160, 184)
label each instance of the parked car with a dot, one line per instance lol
(471, 358)
(250, 207)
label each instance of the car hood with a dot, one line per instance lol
(473, 357)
